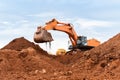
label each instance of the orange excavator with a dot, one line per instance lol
(78, 42)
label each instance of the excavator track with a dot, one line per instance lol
(83, 48)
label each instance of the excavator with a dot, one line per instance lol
(78, 42)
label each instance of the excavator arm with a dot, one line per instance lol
(63, 27)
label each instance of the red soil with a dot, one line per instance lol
(24, 60)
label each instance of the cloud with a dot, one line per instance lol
(24, 21)
(5, 23)
(88, 23)
(60, 1)
(46, 14)
(2, 5)
(18, 29)
(112, 2)
(13, 26)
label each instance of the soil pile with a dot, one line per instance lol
(102, 62)
(21, 43)
(22, 59)
(27, 62)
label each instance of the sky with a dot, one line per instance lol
(99, 19)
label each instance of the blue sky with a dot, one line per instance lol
(92, 18)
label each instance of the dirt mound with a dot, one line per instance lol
(102, 62)
(22, 60)
(21, 43)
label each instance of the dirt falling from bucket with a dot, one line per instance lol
(48, 46)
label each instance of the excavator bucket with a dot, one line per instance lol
(41, 36)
